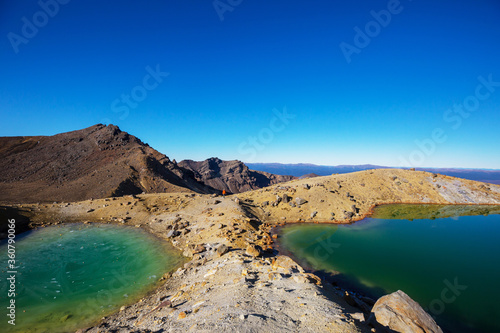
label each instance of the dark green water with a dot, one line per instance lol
(450, 265)
(70, 276)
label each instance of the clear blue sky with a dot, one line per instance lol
(228, 80)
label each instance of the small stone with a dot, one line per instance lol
(348, 215)
(300, 279)
(173, 233)
(358, 316)
(243, 316)
(349, 299)
(306, 186)
(313, 214)
(90, 210)
(252, 250)
(182, 315)
(222, 249)
(199, 248)
(286, 198)
(300, 201)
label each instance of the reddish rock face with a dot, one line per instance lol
(231, 176)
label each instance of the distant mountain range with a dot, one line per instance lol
(298, 170)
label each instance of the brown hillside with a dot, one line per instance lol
(95, 162)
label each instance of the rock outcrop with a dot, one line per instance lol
(398, 312)
(231, 176)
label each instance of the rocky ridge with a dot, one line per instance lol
(231, 176)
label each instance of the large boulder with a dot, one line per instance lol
(398, 312)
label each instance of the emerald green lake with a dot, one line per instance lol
(70, 276)
(446, 261)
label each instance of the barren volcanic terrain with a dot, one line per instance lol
(235, 280)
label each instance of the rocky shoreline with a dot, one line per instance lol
(235, 280)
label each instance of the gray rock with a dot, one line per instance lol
(286, 198)
(221, 250)
(300, 201)
(348, 215)
(306, 186)
(313, 214)
(173, 233)
(398, 312)
(265, 203)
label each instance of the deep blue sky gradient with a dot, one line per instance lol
(227, 76)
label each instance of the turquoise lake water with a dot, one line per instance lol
(449, 265)
(69, 276)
